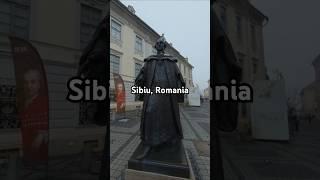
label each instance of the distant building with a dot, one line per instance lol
(206, 92)
(310, 95)
(132, 40)
(244, 24)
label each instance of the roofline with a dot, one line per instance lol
(123, 7)
(259, 12)
(117, 2)
(254, 8)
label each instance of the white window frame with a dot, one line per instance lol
(137, 62)
(85, 24)
(119, 63)
(253, 32)
(137, 51)
(239, 28)
(114, 39)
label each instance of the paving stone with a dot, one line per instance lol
(298, 159)
(284, 170)
(203, 148)
(126, 138)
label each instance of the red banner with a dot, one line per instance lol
(120, 93)
(32, 100)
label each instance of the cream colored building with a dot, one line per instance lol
(59, 30)
(207, 91)
(244, 24)
(310, 95)
(132, 40)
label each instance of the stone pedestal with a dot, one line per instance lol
(167, 162)
(144, 175)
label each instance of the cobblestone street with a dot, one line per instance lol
(196, 128)
(271, 160)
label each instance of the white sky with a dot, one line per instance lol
(292, 39)
(185, 24)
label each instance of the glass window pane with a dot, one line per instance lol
(90, 18)
(115, 30)
(114, 64)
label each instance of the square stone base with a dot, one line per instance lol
(170, 163)
(144, 175)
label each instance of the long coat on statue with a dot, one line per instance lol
(160, 119)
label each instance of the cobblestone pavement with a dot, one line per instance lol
(124, 138)
(195, 122)
(71, 167)
(298, 159)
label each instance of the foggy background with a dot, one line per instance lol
(292, 39)
(185, 24)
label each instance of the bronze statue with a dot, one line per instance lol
(160, 120)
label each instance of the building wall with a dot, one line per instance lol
(310, 95)
(132, 26)
(316, 66)
(247, 43)
(54, 28)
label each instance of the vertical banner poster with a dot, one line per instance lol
(120, 93)
(32, 101)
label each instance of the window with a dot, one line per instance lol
(223, 17)
(241, 62)
(138, 45)
(112, 95)
(243, 110)
(242, 66)
(241, 58)
(114, 68)
(253, 37)
(15, 18)
(90, 18)
(114, 64)
(8, 116)
(254, 66)
(137, 68)
(115, 30)
(181, 68)
(239, 28)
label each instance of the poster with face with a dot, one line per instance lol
(32, 101)
(120, 93)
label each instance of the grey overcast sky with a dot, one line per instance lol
(292, 39)
(185, 24)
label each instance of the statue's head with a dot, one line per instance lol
(160, 45)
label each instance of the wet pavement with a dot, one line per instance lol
(195, 122)
(297, 159)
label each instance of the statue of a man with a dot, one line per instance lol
(160, 120)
